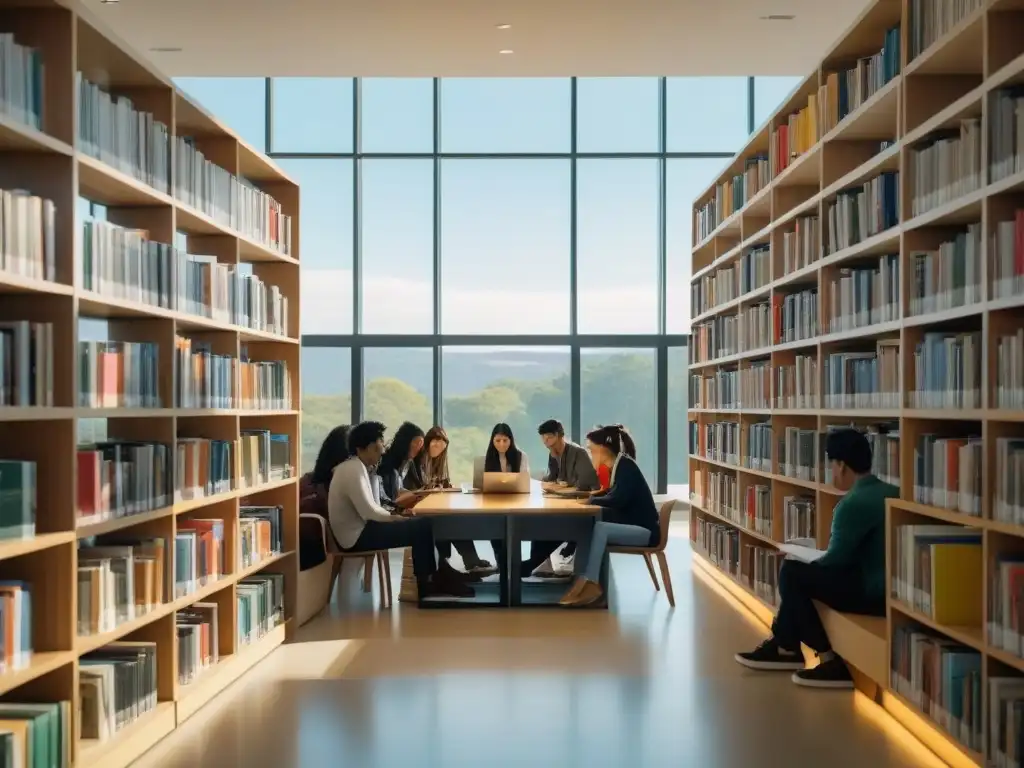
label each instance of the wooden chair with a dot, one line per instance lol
(338, 558)
(664, 517)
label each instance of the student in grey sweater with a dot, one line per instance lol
(567, 463)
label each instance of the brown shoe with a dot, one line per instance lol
(574, 590)
(590, 594)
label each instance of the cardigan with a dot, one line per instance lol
(628, 500)
(351, 502)
(574, 468)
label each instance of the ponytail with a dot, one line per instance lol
(615, 438)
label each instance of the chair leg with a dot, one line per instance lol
(667, 578)
(335, 570)
(379, 557)
(386, 557)
(650, 570)
(368, 573)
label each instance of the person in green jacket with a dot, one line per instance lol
(849, 577)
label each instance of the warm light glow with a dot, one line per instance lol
(504, 26)
(918, 752)
(930, 747)
(505, 52)
(927, 734)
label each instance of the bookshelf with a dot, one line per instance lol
(860, 262)
(149, 393)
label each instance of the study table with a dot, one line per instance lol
(512, 518)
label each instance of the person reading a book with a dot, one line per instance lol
(359, 523)
(848, 577)
(430, 472)
(629, 516)
(569, 466)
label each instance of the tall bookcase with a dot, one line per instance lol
(128, 282)
(874, 226)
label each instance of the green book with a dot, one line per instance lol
(17, 499)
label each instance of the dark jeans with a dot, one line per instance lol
(466, 549)
(415, 532)
(839, 588)
(542, 550)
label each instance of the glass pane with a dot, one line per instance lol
(617, 240)
(326, 396)
(526, 114)
(311, 114)
(398, 246)
(238, 102)
(678, 479)
(617, 114)
(706, 114)
(769, 93)
(325, 237)
(619, 386)
(505, 246)
(484, 386)
(686, 178)
(398, 385)
(397, 114)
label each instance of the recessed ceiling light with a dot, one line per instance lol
(109, 2)
(506, 51)
(503, 26)
(778, 17)
(165, 50)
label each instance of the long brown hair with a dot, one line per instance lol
(435, 469)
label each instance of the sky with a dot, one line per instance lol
(505, 225)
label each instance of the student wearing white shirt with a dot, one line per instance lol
(360, 524)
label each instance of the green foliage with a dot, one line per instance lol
(616, 388)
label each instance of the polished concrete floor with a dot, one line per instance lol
(639, 685)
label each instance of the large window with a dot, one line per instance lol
(505, 231)
(530, 114)
(325, 236)
(398, 385)
(326, 396)
(619, 386)
(518, 386)
(311, 114)
(450, 228)
(398, 246)
(617, 225)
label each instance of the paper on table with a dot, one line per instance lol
(800, 552)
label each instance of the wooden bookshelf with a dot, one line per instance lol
(247, 238)
(792, 363)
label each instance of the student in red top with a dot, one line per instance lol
(604, 477)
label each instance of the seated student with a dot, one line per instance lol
(567, 463)
(432, 472)
(629, 517)
(360, 524)
(502, 454)
(849, 577)
(313, 496)
(401, 482)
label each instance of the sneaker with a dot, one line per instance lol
(769, 656)
(828, 674)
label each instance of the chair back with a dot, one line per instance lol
(664, 518)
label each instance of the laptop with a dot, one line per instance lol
(506, 482)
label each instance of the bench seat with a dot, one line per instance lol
(860, 640)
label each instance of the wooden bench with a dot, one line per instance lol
(860, 640)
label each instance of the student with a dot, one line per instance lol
(313, 496)
(360, 524)
(629, 517)
(849, 577)
(431, 465)
(502, 454)
(399, 464)
(568, 463)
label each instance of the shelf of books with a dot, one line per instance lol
(861, 263)
(149, 380)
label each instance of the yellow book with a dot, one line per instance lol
(956, 577)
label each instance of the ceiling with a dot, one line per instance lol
(416, 38)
